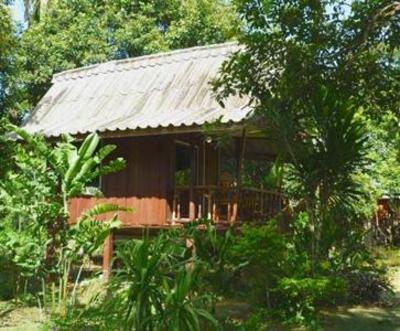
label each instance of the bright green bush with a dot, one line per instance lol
(260, 253)
(21, 261)
(300, 297)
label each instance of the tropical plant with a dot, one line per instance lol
(82, 241)
(73, 169)
(325, 163)
(39, 241)
(300, 297)
(21, 261)
(25, 209)
(212, 248)
(155, 286)
(142, 262)
(314, 71)
(183, 309)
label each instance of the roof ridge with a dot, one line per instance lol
(110, 66)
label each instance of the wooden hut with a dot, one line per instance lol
(155, 108)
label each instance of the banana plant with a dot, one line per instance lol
(76, 167)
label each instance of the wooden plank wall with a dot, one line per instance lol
(211, 164)
(145, 183)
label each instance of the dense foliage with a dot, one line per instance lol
(8, 44)
(316, 71)
(35, 238)
(177, 280)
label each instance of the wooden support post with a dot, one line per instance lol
(192, 206)
(240, 151)
(240, 169)
(108, 256)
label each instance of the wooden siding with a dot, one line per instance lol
(144, 185)
(209, 166)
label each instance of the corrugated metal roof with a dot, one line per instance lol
(157, 91)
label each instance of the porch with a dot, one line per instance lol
(173, 179)
(224, 205)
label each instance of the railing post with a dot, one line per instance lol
(199, 211)
(174, 208)
(234, 214)
(178, 209)
(192, 207)
(229, 212)
(214, 212)
(209, 205)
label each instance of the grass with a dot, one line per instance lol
(15, 317)
(18, 318)
(389, 257)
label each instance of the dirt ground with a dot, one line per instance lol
(368, 318)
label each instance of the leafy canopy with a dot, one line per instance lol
(8, 43)
(315, 70)
(312, 68)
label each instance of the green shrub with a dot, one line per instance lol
(300, 297)
(355, 263)
(260, 252)
(21, 262)
(276, 269)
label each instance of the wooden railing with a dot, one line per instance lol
(224, 205)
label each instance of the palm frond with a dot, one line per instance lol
(103, 208)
